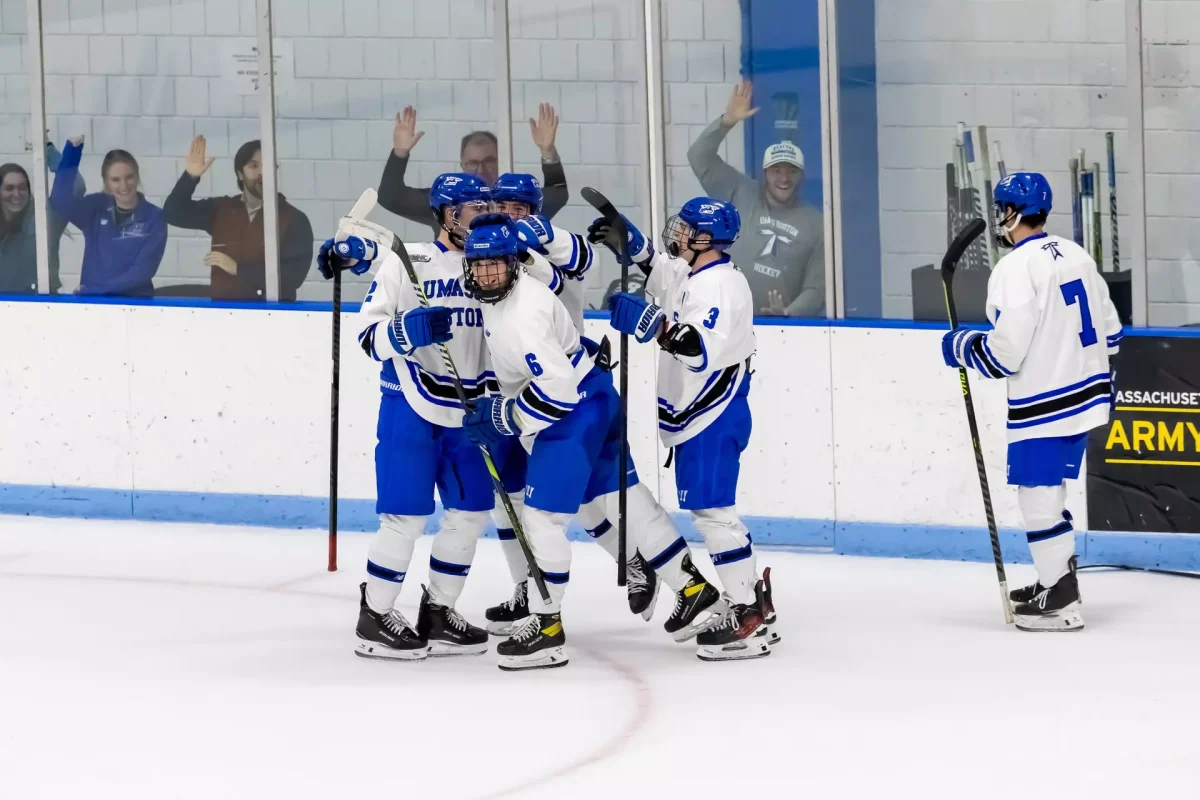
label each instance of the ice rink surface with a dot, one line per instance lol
(185, 661)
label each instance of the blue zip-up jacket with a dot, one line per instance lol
(117, 260)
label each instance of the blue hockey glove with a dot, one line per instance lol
(354, 254)
(635, 316)
(489, 421)
(955, 344)
(637, 247)
(535, 232)
(421, 327)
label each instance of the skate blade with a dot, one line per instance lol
(648, 613)
(1066, 621)
(446, 649)
(545, 659)
(754, 647)
(372, 650)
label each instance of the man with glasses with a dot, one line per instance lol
(478, 155)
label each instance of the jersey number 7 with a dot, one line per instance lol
(1072, 292)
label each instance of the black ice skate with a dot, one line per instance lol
(447, 632)
(1026, 593)
(538, 644)
(503, 619)
(698, 606)
(642, 586)
(386, 635)
(1054, 609)
(735, 636)
(768, 629)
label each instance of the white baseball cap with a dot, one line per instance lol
(783, 153)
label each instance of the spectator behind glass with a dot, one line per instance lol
(238, 255)
(478, 155)
(124, 234)
(781, 250)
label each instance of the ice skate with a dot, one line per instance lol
(538, 644)
(1055, 609)
(735, 637)
(447, 633)
(642, 586)
(768, 629)
(386, 635)
(1026, 593)
(503, 619)
(697, 607)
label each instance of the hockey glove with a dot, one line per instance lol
(420, 327)
(635, 316)
(354, 254)
(535, 232)
(637, 247)
(955, 344)
(488, 422)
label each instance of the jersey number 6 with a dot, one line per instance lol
(534, 367)
(1072, 292)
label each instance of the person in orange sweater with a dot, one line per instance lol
(235, 223)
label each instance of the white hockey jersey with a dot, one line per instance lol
(1055, 328)
(716, 301)
(421, 375)
(537, 355)
(563, 265)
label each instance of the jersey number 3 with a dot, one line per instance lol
(1074, 292)
(711, 322)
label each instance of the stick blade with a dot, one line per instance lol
(365, 205)
(960, 244)
(598, 201)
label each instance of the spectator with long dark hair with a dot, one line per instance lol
(18, 237)
(124, 234)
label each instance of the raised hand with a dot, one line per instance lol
(405, 134)
(198, 161)
(740, 105)
(77, 140)
(544, 129)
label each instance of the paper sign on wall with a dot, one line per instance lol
(239, 64)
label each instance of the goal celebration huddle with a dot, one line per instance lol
(492, 396)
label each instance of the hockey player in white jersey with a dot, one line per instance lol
(1054, 330)
(421, 441)
(563, 265)
(705, 329)
(559, 404)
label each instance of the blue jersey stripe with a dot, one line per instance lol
(1030, 423)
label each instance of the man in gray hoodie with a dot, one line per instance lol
(782, 246)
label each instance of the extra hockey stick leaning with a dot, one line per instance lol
(361, 209)
(986, 163)
(1112, 201)
(610, 213)
(370, 230)
(961, 242)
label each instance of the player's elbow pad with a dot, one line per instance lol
(683, 340)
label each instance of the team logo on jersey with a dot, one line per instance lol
(1053, 248)
(443, 288)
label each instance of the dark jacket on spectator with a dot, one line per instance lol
(780, 249)
(121, 251)
(239, 235)
(18, 250)
(413, 203)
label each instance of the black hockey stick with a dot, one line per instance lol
(1112, 203)
(610, 213)
(399, 249)
(961, 242)
(335, 391)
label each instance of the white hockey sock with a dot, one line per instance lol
(548, 539)
(1049, 530)
(509, 545)
(594, 519)
(650, 531)
(388, 558)
(728, 542)
(452, 553)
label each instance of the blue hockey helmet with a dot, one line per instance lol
(457, 190)
(490, 258)
(1018, 195)
(518, 187)
(700, 215)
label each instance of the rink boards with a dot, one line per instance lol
(221, 414)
